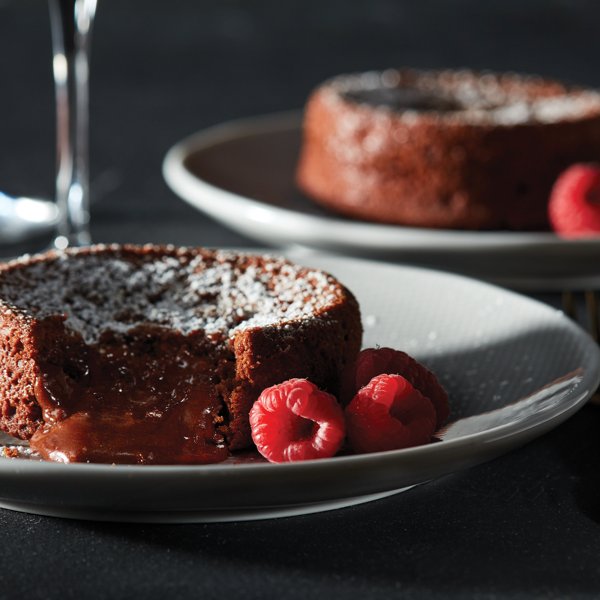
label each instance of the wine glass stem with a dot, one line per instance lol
(71, 25)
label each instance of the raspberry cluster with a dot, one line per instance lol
(396, 403)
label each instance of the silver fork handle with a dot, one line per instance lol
(591, 305)
(591, 318)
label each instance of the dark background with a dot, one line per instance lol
(525, 525)
(163, 70)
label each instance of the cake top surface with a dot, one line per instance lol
(117, 288)
(464, 96)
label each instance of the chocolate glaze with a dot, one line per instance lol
(398, 98)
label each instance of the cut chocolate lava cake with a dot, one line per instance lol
(149, 354)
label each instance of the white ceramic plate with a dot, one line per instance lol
(242, 174)
(514, 369)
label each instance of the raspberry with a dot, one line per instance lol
(377, 361)
(574, 206)
(295, 420)
(388, 414)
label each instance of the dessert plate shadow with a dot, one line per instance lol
(241, 173)
(514, 369)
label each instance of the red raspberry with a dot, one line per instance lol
(574, 206)
(295, 420)
(376, 361)
(388, 414)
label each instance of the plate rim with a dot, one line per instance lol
(220, 204)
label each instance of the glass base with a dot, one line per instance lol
(26, 225)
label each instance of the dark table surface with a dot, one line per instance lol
(524, 525)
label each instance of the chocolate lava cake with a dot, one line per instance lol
(444, 149)
(150, 354)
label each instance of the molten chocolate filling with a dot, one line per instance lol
(139, 398)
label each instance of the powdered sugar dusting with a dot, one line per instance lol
(218, 292)
(463, 96)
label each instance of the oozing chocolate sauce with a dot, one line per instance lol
(144, 399)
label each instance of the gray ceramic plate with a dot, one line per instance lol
(242, 174)
(514, 369)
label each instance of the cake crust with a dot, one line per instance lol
(444, 149)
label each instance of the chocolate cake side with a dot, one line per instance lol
(20, 413)
(444, 149)
(320, 351)
(228, 324)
